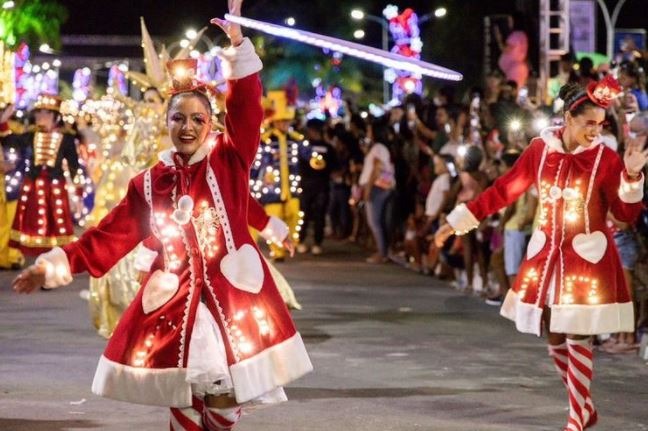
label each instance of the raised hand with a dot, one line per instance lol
(233, 31)
(635, 156)
(289, 245)
(6, 113)
(30, 279)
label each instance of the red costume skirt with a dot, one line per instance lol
(43, 220)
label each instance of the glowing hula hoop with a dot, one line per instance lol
(385, 58)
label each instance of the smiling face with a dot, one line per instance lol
(189, 122)
(45, 119)
(586, 126)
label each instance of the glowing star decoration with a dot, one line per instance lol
(387, 59)
(81, 84)
(407, 43)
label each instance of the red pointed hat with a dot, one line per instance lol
(184, 76)
(604, 92)
(601, 93)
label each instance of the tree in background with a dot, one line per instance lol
(35, 22)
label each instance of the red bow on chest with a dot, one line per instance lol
(171, 176)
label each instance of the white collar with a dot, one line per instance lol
(549, 136)
(166, 156)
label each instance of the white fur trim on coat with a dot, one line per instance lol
(548, 135)
(57, 268)
(462, 220)
(631, 192)
(592, 319)
(527, 317)
(239, 61)
(165, 387)
(144, 259)
(166, 156)
(272, 368)
(275, 231)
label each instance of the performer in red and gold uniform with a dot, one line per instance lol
(43, 218)
(571, 278)
(208, 332)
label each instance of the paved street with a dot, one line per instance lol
(392, 350)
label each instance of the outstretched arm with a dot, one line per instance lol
(240, 66)
(98, 250)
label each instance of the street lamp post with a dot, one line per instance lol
(358, 14)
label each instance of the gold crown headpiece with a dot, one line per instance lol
(48, 101)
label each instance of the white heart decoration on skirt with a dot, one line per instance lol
(159, 289)
(590, 247)
(243, 269)
(536, 243)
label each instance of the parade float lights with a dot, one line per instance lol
(375, 55)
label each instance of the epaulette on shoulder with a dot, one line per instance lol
(295, 136)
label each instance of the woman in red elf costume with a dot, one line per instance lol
(208, 332)
(571, 278)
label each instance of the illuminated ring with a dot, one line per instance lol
(385, 58)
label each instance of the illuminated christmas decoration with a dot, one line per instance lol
(117, 78)
(406, 35)
(350, 48)
(81, 84)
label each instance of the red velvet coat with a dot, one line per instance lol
(212, 257)
(572, 264)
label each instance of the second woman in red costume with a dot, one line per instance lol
(571, 279)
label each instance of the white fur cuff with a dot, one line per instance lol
(239, 61)
(275, 231)
(462, 220)
(144, 259)
(631, 192)
(57, 267)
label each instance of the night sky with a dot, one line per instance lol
(172, 17)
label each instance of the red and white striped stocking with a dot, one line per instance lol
(189, 418)
(579, 377)
(221, 419)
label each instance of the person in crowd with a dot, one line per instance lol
(316, 163)
(378, 182)
(517, 222)
(632, 78)
(43, 218)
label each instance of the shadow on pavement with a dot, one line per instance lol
(322, 393)
(50, 425)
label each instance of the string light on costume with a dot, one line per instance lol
(531, 276)
(168, 232)
(584, 285)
